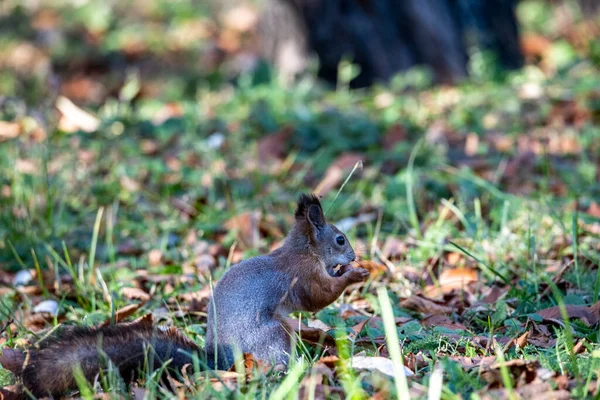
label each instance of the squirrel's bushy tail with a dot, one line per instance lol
(47, 369)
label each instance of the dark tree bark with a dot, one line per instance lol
(388, 36)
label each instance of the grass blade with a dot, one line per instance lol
(391, 336)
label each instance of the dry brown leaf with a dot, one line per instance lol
(128, 184)
(318, 324)
(471, 144)
(594, 209)
(589, 315)
(357, 329)
(394, 135)
(9, 130)
(123, 313)
(424, 306)
(168, 111)
(394, 248)
(273, 147)
(520, 342)
(269, 227)
(247, 225)
(329, 361)
(579, 347)
(135, 294)
(474, 362)
(442, 321)
(494, 294)
(450, 280)
(312, 335)
(522, 370)
(375, 269)
(149, 146)
(154, 257)
(335, 173)
(453, 258)
(37, 322)
(532, 391)
(534, 45)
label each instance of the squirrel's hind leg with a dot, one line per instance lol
(272, 344)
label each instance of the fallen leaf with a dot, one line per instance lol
(394, 135)
(335, 173)
(541, 390)
(424, 306)
(375, 269)
(37, 322)
(123, 313)
(357, 329)
(450, 280)
(329, 361)
(520, 369)
(273, 147)
(318, 324)
(394, 248)
(75, 118)
(589, 315)
(441, 321)
(311, 335)
(474, 362)
(247, 225)
(9, 130)
(135, 294)
(594, 209)
(154, 257)
(519, 342)
(494, 294)
(381, 364)
(471, 144)
(579, 347)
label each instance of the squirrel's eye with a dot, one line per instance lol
(340, 240)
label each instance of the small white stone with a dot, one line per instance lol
(23, 277)
(47, 306)
(215, 140)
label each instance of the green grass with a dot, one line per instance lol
(92, 206)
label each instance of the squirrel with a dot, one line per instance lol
(250, 302)
(246, 313)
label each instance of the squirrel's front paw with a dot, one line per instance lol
(357, 274)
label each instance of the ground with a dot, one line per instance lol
(137, 164)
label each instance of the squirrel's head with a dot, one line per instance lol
(325, 240)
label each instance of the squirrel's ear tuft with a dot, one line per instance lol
(304, 203)
(309, 209)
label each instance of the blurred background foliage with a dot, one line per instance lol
(134, 103)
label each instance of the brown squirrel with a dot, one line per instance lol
(246, 313)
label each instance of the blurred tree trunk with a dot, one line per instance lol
(388, 36)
